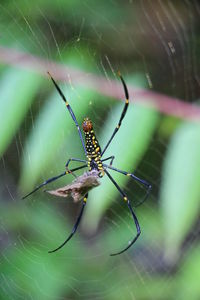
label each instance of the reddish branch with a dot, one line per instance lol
(164, 104)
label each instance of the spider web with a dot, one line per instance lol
(99, 42)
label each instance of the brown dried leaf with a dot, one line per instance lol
(79, 187)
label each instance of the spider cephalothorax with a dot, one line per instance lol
(87, 125)
(96, 164)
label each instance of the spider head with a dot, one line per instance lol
(87, 125)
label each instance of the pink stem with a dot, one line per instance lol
(164, 104)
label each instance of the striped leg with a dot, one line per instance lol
(70, 111)
(53, 179)
(147, 185)
(75, 226)
(122, 115)
(132, 213)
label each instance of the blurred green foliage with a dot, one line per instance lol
(37, 136)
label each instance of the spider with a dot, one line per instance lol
(94, 161)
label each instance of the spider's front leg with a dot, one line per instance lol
(122, 114)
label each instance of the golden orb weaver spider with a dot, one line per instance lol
(94, 161)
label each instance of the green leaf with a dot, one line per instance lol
(128, 146)
(17, 90)
(189, 273)
(180, 188)
(168, 126)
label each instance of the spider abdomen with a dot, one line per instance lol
(93, 151)
(93, 148)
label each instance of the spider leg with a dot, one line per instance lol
(122, 114)
(73, 159)
(132, 213)
(70, 111)
(53, 179)
(111, 158)
(147, 185)
(75, 226)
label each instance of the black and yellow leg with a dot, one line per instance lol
(53, 179)
(132, 213)
(122, 114)
(147, 185)
(70, 110)
(84, 201)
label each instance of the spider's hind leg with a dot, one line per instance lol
(137, 225)
(75, 226)
(146, 184)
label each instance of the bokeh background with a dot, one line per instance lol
(155, 45)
